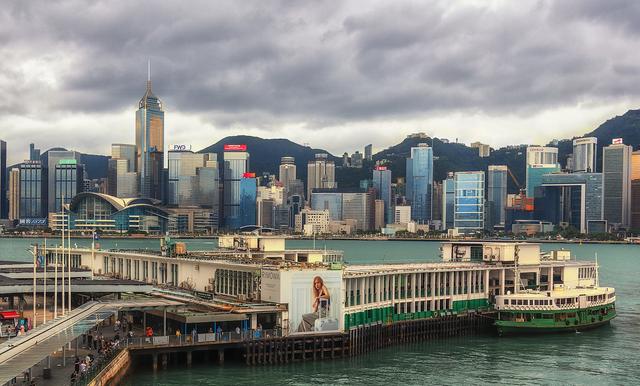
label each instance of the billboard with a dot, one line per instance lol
(180, 147)
(381, 168)
(235, 147)
(315, 300)
(248, 175)
(616, 141)
(33, 222)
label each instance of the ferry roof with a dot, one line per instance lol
(560, 293)
(355, 270)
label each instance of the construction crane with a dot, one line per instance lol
(515, 181)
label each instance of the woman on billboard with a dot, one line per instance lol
(320, 305)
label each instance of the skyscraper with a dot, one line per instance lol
(420, 182)
(14, 194)
(247, 205)
(149, 140)
(448, 201)
(540, 161)
(321, 174)
(368, 152)
(182, 187)
(33, 191)
(34, 154)
(236, 164)
(54, 158)
(287, 172)
(584, 154)
(496, 195)
(122, 176)
(616, 168)
(635, 190)
(469, 201)
(382, 185)
(4, 202)
(68, 182)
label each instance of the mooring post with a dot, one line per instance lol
(221, 356)
(164, 361)
(155, 362)
(189, 358)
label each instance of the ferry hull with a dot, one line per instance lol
(531, 330)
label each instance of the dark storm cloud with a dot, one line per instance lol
(263, 63)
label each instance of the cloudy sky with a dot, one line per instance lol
(334, 74)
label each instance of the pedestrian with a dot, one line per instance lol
(77, 364)
(194, 335)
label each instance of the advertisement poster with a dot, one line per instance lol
(315, 301)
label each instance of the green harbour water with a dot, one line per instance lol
(608, 355)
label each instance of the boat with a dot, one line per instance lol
(559, 310)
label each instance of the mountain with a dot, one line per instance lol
(266, 153)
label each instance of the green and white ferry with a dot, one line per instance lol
(563, 309)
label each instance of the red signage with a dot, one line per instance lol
(248, 175)
(381, 168)
(235, 147)
(616, 141)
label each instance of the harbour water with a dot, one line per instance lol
(609, 355)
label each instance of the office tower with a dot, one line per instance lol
(149, 143)
(356, 160)
(273, 192)
(379, 213)
(436, 213)
(358, 206)
(616, 168)
(540, 161)
(287, 172)
(321, 174)
(14, 194)
(4, 202)
(448, 200)
(33, 191)
(182, 187)
(368, 152)
(327, 199)
(296, 204)
(382, 185)
(247, 207)
(496, 195)
(295, 187)
(402, 214)
(573, 198)
(54, 157)
(34, 154)
(265, 213)
(419, 189)
(345, 160)
(584, 154)
(469, 201)
(635, 190)
(159, 176)
(122, 179)
(483, 149)
(68, 181)
(236, 164)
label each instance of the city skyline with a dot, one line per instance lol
(218, 76)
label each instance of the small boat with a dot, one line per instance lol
(559, 310)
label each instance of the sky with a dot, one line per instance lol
(331, 74)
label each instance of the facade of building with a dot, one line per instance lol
(54, 158)
(469, 201)
(584, 154)
(382, 185)
(496, 195)
(287, 171)
(368, 152)
(379, 214)
(328, 200)
(357, 160)
(122, 179)
(321, 174)
(448, 202)
(572, 198)
(4, 202)
(248, 194)
(149, 140)
(345, 205)
(33, 192)
(14, 194)
(635, 189)
(483, 149)
(419, 187)
(616, 168)
(311, 222)
(540, 161)
(68, 182)
(402, 214)
(236, 164)
(183, 188)
(34, 154)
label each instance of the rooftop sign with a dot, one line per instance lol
(242, 147)
(180, 147)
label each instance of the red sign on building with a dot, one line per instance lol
(248, 175)
(235, 147)
(381, 168)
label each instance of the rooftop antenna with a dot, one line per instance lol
(149, 74)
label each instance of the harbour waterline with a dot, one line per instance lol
(605, 355)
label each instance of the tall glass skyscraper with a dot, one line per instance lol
(236, 164)
(33, 190)
(150, 144)
(469, 201)
(540, 161)
(4, 198)
(247, 207)
(382, 185)
(420, 182)
(616, 168)
(53, 159)
(448, 202)
(584, 154)
(496, 195)
(69, 177)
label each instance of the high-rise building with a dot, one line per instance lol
(14, 194)
(345, 205)
(150, 140)
(34, 154)
(616, 168)
(469, 201)
(540, 161)
(327, 199)
(379, 214)
(496, 195)
(356, 160)
(345, 160)
(368, 152)
(183, 184)
(448, 201)
(584, 154)
(33, 191)
(419, 189)
(122, 167)
(287, 170)
(236, 164)
(635, 190)
(483, 149)
(321, 174)
(68, 181)
(4, 202)
(437, 202)
(402, 214)
(54, 158)
(382, 185)
(265, 213)
(247, 207)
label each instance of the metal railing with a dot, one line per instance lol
(203, 338)
(98, 364)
